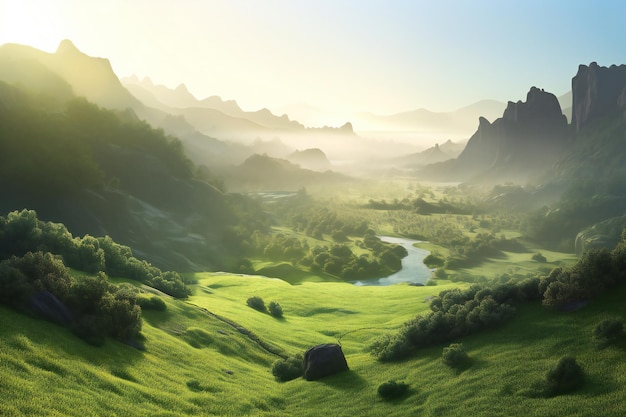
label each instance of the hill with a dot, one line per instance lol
(197, 364)
(103, 173)
(264, 173)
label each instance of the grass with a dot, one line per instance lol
(196, 364)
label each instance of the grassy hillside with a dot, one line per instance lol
(196, 364)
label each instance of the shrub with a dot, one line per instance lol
(433, 260)
(392, 389)
(275, 309)
(441, 273)
(257, 303)
(455, 356)
(539, 257)
(608, 331)
(153, 303)
(567, 376)
(288, 369)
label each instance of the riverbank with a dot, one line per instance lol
(413, 269)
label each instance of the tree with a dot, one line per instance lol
(257, 303)
(455, 356)
(608, 331)
(567, 376)
(275, 309)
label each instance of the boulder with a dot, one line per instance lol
(323, 360)
(45, 305)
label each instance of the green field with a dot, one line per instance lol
(197, 364)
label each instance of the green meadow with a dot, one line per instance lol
(203, 357)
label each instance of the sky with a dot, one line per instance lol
(346, 56)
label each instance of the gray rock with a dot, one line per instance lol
(324, 360)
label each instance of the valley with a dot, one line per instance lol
(164, 255)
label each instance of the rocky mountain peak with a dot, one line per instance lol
(597, 92)
(67, 47)
(528, 136)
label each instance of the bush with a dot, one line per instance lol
(539, 257)
(275, 309)
(441, 273)
(153, 303)
(257, 303)
(288, 369)
(608, 331)
(392, 389)
(455, 356)
(567, 376)
(433, 260)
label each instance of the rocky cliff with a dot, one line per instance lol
(527, 137)
(597, 92)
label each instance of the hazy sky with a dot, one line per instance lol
(382, 56)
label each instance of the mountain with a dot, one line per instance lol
(106, 173)
(439, 124)
(69, 72)
(313, 159)
(264, 173)
(525, 141)
(92, 78)
(438, 153)
(598, 92)
(214, 116)
(565, 100)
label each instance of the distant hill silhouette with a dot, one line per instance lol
(455, 122)
(214, 116)
(264, 173)
(313, 159)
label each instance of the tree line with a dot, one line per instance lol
(456, 313)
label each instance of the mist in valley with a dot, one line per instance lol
(270, 208)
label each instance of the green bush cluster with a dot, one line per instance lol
(455, 356)
(22, 231)
(97, 309)
(258, 304)
(288, 369)
(392, 389)
(566, 376)
(454, 313)
(608, 331)
(275, 309)
(597, 271)
(151, 303)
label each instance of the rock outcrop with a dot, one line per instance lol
(597, 92)
(527, 137)
(324, 360)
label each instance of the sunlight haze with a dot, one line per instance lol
(339, 57)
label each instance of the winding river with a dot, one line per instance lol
(413, 268)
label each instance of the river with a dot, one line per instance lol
(413, 268)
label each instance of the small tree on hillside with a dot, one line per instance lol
(455, 356)
(608, 331)
(257, 303)
(275, 309)
(567, 376)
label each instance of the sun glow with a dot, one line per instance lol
(28, 23)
